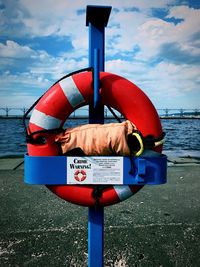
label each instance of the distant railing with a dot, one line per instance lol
(180, 113)
(8, 111)
(81, 113)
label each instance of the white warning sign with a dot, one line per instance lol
(94, 170)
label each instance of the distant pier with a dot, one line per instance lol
(82, 113)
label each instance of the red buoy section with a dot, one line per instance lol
(63, 98)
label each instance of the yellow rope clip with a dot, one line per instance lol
(139, 138)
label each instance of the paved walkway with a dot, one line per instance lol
(159, 226)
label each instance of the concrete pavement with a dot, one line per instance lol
(159, 226)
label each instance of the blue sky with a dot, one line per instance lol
(155, 44)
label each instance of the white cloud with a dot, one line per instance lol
(128, 23)
(22, 82)
(175, 45)
(40, 62)
(156, 32)
(32, 78)
(13, 50)
(17, 100)
(184, 12)
(44, 18)
(161, 82)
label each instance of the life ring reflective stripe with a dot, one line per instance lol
(73, 92)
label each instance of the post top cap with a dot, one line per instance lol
(97, 15)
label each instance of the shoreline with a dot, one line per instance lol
(194, 154)
(20, 117)
(15, 162)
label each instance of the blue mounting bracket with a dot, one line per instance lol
(60, 170)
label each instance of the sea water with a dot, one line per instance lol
(182, 136)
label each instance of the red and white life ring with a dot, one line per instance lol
(73, 92)
(80, 175)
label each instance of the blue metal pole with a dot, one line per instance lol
(95, 236)
(97, 19)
